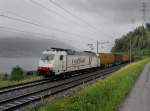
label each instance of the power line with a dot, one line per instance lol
(50, 10)
(12, 13)
(22, 31)
(25, 19)
(73, 15)
(41, 26)
(56, 4)
(20, 20)
(70, 13)
(20, 16)
(38, 34)
(33, 33)
(59, 6)
(144, 11)
(38, 4)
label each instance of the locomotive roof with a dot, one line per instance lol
(85, 53)
(72, 52)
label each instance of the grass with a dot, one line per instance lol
(4, 83)
(104, 95)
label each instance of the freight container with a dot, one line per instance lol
(125, 58)
(118, 58)
(106, 58)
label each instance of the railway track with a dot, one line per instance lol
(23, 95)
(23, 85)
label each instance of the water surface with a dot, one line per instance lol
(6, 64)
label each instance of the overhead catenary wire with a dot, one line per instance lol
(49, 10)
(41, 26)
(53, 11)
(39, 34)
(58, 30)
(77, 17)
(70, 13)
(25, 19)
(26, 32)
(38, 4)
(20, 16)
(47, 36)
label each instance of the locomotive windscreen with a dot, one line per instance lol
(47, 57)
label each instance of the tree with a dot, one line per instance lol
(148, 26)
(17, 73)
(140, 40)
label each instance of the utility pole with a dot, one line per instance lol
(144, 10)
(101, 43)
(97, 46)
(144, 17)
(130, 51)
(130, 42)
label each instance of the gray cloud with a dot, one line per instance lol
(123, 11)
(111, 19)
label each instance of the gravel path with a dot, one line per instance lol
(139, 97)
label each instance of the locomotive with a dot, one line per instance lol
(57, 61)
(64, 62)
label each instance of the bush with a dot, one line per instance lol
(5, 76)
(17, 73)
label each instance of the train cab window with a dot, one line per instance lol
(48, 57)
(61, 57)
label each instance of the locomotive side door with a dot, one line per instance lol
(62, 63)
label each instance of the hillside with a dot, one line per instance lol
(140, 42)
(27, 47)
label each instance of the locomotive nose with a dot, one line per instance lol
(45, 68)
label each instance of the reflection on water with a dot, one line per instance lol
(6, 64)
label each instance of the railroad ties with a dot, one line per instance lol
(14, 97)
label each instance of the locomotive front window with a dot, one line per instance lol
(47, 57)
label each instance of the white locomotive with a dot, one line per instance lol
(58, 61)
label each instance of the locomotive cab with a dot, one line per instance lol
(51, 63)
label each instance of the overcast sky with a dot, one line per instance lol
(76, 22)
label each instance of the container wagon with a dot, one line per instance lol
(118, 58)
(125, 58)
(106, 59)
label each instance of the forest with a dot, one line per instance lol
(139, 40)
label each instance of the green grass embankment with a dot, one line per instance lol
(17, 76)
(104, 95)
(4, 83)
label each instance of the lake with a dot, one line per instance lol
(6, 64)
